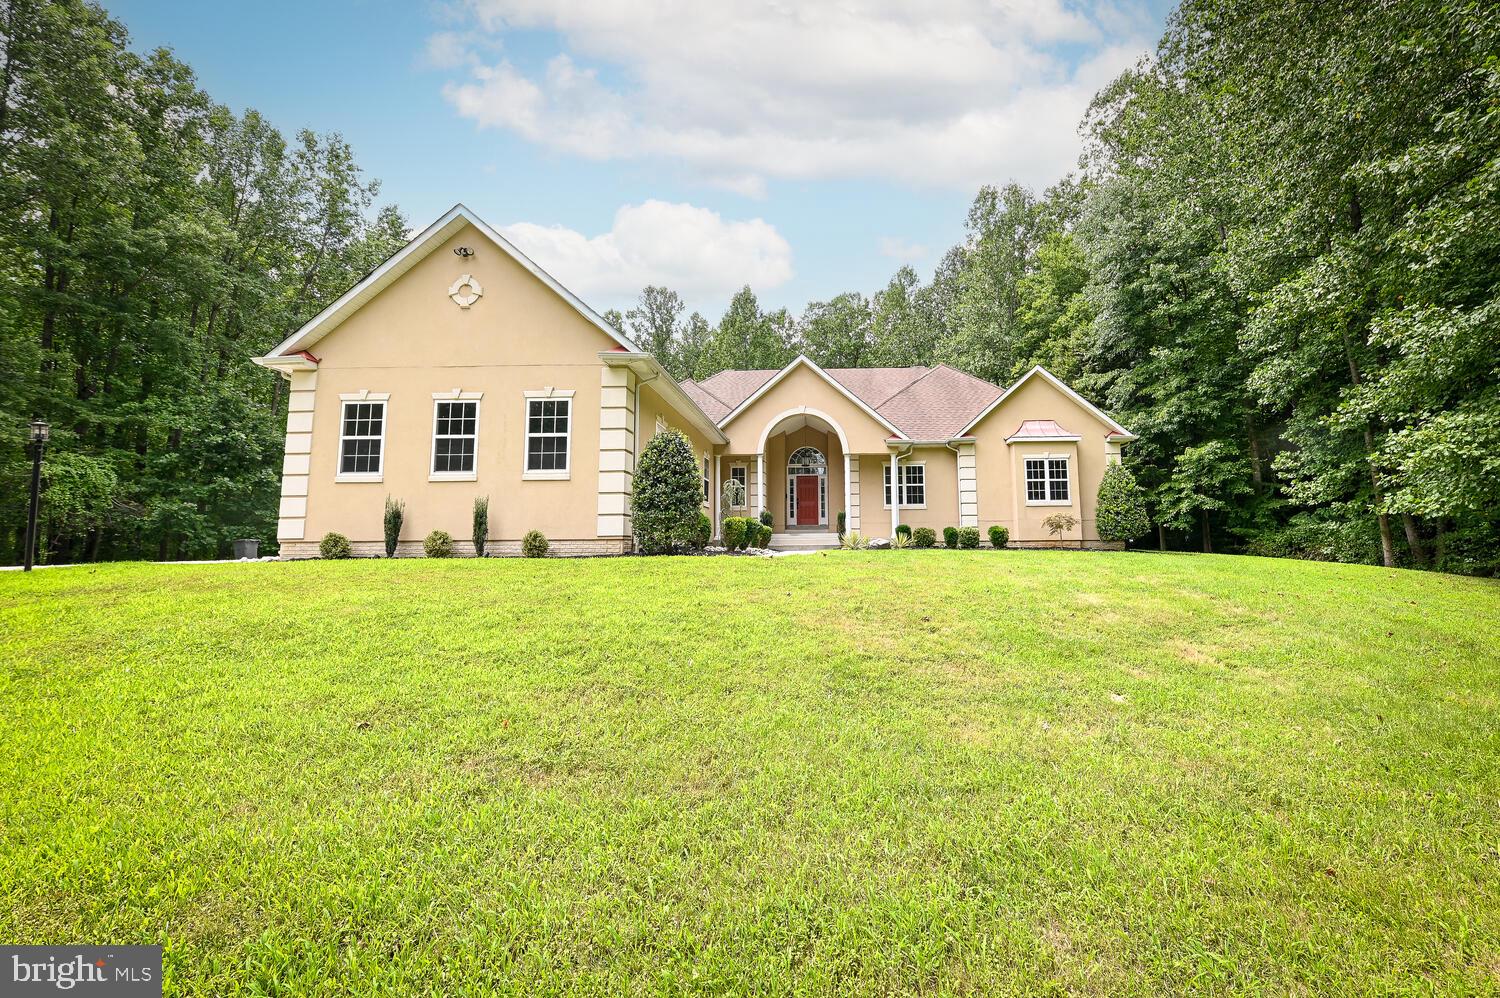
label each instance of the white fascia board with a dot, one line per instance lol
(409, 256)
(1120, 433)
(669, 389)
(802, 359)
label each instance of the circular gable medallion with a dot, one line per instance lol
(465, 291)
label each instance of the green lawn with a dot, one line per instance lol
(872, 773)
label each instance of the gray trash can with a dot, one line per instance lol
(246, 547)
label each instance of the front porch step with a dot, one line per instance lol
(804, 540)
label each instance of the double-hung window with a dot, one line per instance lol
(1047, 481)
(455, 439)
(549, 424)
(913, 485)
(362, 441)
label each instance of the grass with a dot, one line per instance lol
(857, 773)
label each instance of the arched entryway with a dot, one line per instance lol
(806, 488)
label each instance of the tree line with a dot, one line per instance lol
(1275, 263)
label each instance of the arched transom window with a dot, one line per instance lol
(806, 461)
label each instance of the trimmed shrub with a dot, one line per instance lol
(903, 530)
(702, 533)
(924, 537)
(334, 546)
(534, 544)
(765, 517)
(841, 524)
(999, 536)
(968, 538)
(668, 494)
(950, 537)
(395, 513)
(438, 544)
(734, 532)
(481, 530)
(1121, 513)
(765, 535)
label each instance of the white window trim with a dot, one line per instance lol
(1047, 457)
(454, 476)
(905, 505)
(384, 398)
(555, 475)
(746, 469)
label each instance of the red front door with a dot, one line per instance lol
(807, 500)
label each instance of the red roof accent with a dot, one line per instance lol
(307, 356)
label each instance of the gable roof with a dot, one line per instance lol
(915, 403)
(407, 257)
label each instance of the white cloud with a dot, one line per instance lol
(952, 92)
(691, 250)
(899, 249)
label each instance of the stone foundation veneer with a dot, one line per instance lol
(581, 548)
(297, 463)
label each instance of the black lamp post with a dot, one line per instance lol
(40, 431)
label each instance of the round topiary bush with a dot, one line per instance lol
(950, 537)
(438, 544)
(734, 532)
(924, 537)
(534, 544)
(968, 538)
(668, 493)
(999, 536)
(334, 546)
(1121, 512)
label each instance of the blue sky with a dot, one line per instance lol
(805, 149)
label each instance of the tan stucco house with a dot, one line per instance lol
(459, 368)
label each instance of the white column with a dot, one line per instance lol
(848, 498)
(715, 513)
(760, 483)
(895, 493)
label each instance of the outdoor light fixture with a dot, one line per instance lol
(40, 431)
(463, 251)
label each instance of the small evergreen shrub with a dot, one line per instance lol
(765, 517)
(765, 536)
(841, 524)
(395, 513)
(481, 531)
(334, 546)
(924, 537)
(999, 536)
(734, 532)
(702, 533)
(968, 538)
(534, 544)
(668, 494)
(438, 544)
(950, 537)
(1121, 513)
(903, 530)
